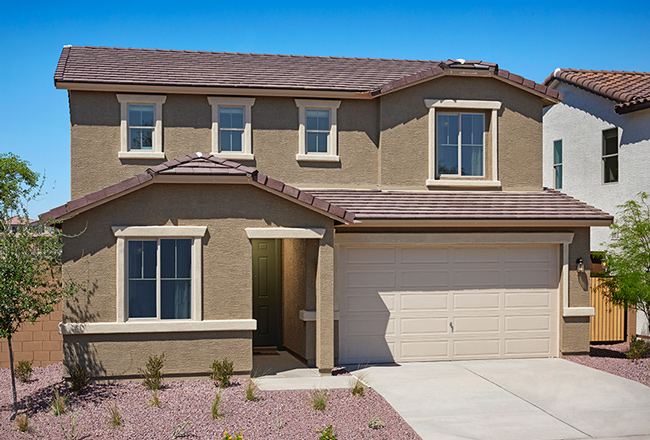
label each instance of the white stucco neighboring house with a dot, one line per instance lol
(597, 141)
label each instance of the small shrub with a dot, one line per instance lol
(22, 421)
(327, 434)
(114, 416)
(227, 436)
(152, 373)
(359, 389)
(278, 420)
(375, 422)
(24, 371)
(179, 430)
(319, 399)
(251, 388)
(79, 379)
(222, 372)
(638, 349)
(154, 400)
(58, 403)
(215, 406)
(71, 435)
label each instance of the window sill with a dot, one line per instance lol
(141, 155)
(317, 158)
(460, 183)
(162, 326)
(234, 155)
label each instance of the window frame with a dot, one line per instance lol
(332, 142)
(247, 136)
(156, 151)
(124, 234)
(558, 164)
(604, 156)
(436, 106)
(459, 175)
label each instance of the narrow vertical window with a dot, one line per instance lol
(231, 128)
(610, 155)
(141, 126)
(557, 164)
(317, 130)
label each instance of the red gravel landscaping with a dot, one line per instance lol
(611, 359)
(277, 415)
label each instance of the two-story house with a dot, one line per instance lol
(597, 142)
(349, 210)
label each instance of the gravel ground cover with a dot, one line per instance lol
(277, 415)
(611, 359)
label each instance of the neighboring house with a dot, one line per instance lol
(597, 141)
(349, 210)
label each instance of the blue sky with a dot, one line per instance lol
(528, 39)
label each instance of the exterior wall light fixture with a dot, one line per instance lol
(580, 265)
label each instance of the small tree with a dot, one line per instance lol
(30, 257)
(628, 256)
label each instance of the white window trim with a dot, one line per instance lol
(166, 326)
(436, 105)
(247, 138)
(332, 142)
(157, 148)
(124, 233)
(559, 164)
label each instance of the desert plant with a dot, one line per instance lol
(375, 422)
(215, 406)
(114, 416)
(152, 373)
(639, 349)
(222, 372)
(227, 436)
(251, 388)
(24, 371)
(318, 399)
(327, 433)
(359, 388)
(179, 430)
(154, 400)
(22, 421)
(278, 420)
(58, 403)
(79, 379)
(71, 435)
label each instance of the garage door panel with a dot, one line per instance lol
(481, 255)
(476, 347)
(424, 255)
(362, 255)
(528, 277)
(414, 351)
(527, 300)
(472, 278)
(370, 303)
(527, 346)
(476, 324)
(423, 301)
(528, 254)
(368, 349)
(424, 279)
(370, 279)
(371, 326)
(527, 323)
(476, 300)
(423, 326)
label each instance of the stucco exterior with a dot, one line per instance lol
(579, 121)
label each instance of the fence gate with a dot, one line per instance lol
(608, 324)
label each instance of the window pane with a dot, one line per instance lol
(141, 138)
(147, 138)
(317, 142)
(142, 298)
(472, 160)
(557, 152)
(225, 143)
(610, 169)
(175, 299)
(231, 117)
(447, 144)
(610, 141)
(135, 259)
(184, 258)
(317, 119)
(142, 259)
(141, 115)
(168, 258)
(558, 176)
(472, 129)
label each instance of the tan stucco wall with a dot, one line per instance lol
(187, 122)
(227, 266)
(404, 142)
(294, 291)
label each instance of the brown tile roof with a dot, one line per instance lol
(460, 205)
(110, 65)
(196, 164)
(630, 90)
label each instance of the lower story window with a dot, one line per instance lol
(160, 278)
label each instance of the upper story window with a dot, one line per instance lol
(460, 144)
(459, 152)
(141, 126)
(231, 127)
(317, 130)
(610, 155)
(557, 164)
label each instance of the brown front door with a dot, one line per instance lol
(267, 292)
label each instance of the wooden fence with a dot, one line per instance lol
(608, 324)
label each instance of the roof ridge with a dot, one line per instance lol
(625, 72)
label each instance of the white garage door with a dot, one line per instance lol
(415, 303)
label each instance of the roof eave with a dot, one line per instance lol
(483, 223)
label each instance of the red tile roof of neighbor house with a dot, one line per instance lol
(129, 66)
(461, 205)
(348, 205)
(197, 164)
(630, 90)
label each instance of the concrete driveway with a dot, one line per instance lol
(513, 399)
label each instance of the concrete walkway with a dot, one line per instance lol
(513, 399)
